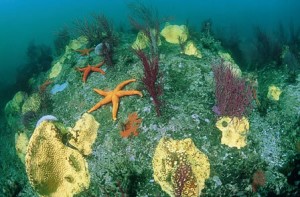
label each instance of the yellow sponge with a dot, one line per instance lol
(175, 33)
(274, 93)
(233, 130)
(174, 159)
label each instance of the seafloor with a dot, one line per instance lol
(123, 166)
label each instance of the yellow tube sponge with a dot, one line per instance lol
(179, 167)
(191, 49)
(84, 133)
(172, 33)
(274, 93)
(21, 141)
(233, 130)
(54, 169)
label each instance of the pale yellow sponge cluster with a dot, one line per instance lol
(75, 44)
(175, 33)
(55, 70)
(14, 105)
(233, 130)
(274, 93)
(229, 62)
(21, 142)
(84, 133)
(78, 43)
(32, 103)
(141, 41)
(179, 167)
(191, 49)
(54, 169)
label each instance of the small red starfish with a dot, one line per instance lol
(84, 52)
(88, 69)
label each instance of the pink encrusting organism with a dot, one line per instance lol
(233, 94)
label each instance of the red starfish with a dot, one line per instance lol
(84, 52)
(86, 70)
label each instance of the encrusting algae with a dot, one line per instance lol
(180, 168)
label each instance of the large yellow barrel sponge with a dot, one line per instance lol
(175, 33)
(274, 93)
(233, 130)
(191, 49)
(54, 169)
(84, 133)
(170, 157)
(21, 142)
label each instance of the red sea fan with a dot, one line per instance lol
(151, 75)
(233, 94)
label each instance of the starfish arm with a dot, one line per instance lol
(100, 64)
(82, 52)
(98, 70)
(128, 93)
(115, 103)
(80, 69)
(99, 104)
(101, 92)
(121, 85)
(86, 74)
(78, 50)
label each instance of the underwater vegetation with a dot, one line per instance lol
(278, 48)
(148, 24)
(100, 34)
(159, 111)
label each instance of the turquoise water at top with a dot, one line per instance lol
(24, 21)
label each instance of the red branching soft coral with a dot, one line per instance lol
(150, 78)
(233, 94)
(147, 21)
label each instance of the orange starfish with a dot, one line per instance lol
(88, 69)
(114, 97)
(84, 52)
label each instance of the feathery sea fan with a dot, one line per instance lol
(233, 94)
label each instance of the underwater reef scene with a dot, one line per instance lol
(163, 109)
